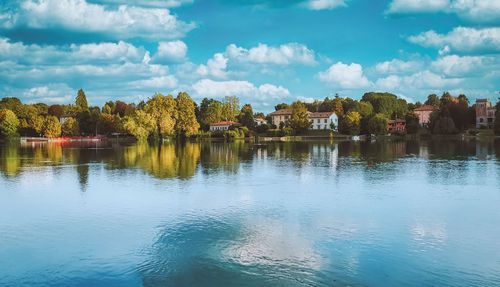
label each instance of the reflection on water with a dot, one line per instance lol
(384, 213)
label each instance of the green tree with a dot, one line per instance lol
(281, 106)
(186, 123)
(337, 106)
(213, 113)
(52, 127)
(56, 110)
(81, 101)
(377, 124)
(352, 122)
(37, 123)
(365, 109)
(230, 108)
(387, 103)
(496, 127)
(412, 125)
(246, 116)
(163, 110)
(299, 121)
(8, 123)
(70, 127)
(433, 100)
(140, 125)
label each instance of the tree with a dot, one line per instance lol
(213, 114)
(433, 100)
(8, 123)
(140, 125)
(106, 109)
(120, 108)
(352, 122)
(496, 127)
(70, 127)
(299, 121)
(246, 116)
(387, 103)
(81, 101)
(337, 106)
(412, 125)
(37, 123)
(56, 110)
(377, 124)
(163, 110)
(281, 106)
(230, 108)
(365, 109)
(186, 122)
(52, 127)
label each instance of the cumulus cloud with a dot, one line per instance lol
(170, 52)
(345, 76)
(461, 40)
(54, 93)
(482, 11)
(456, 65)
(396, 66)
(216, 67)
(325, 4)
(245, 89)
(420, 80)
(122, 22)
(286, 54)
(162, 82)
(149, 3)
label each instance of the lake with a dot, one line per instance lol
(385, 213)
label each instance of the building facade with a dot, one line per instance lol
(324, 121)
(259, 122)
(485, 113)
(222, 126)
(396, 125)
(319, 120)
(424, 114)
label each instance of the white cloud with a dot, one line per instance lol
(396, 66)
(345, 76)
(122, 22)
(455, 65)
(245, 89)
(389, 83)
(51, 94)
(286, 54)
(215, 67)
(150, 3)
(325, 4)
(461, 40)
(305, 99)
(420, 80)
(166, 82)
(482, 11)
(120, 51)
(170, 52)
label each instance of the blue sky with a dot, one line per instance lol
(265, 52)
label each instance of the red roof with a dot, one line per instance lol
(396, 121)
(225, 123)
(424, 108)
(320, 115)
(282, 112)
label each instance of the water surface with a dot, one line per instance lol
(392, 213)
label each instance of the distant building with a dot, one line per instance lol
(280, 116)
(396, 125)
(323, 120)
(260, 121)
(222, 126)
(485, 113)
(424, 114)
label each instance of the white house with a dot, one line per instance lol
(222, 126)
(323, 121)
(259, 121)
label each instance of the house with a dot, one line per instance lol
(396, 125)
(323, 120)
(424, 114)
(319, 120)
(485, 113)
(280, 116)
(222, 126)
(260, 121)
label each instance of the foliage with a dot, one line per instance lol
(433, 100)
(299, 121)
(8, 123)
(140, 125)
(412, 125)
(377, 124)
(444, 126)
(52, 127)
(186, 123)
(70, 127)
(163, 111)
(81, 101)
(281, 106)
(496, 128)
(352, 123)
(365, 109)
(230, 108)
(246, 116)
(56, 110)
(387, 104)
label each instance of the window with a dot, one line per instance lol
(326, 120)
(286, 117)
(318, 121)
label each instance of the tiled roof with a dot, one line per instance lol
(424, 108)
(281, 112)
(320, 115)
(396, 121)
(225, 123)
(260, 120)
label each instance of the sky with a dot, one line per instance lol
(263, 51)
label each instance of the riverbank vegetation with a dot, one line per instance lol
(162, 117)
